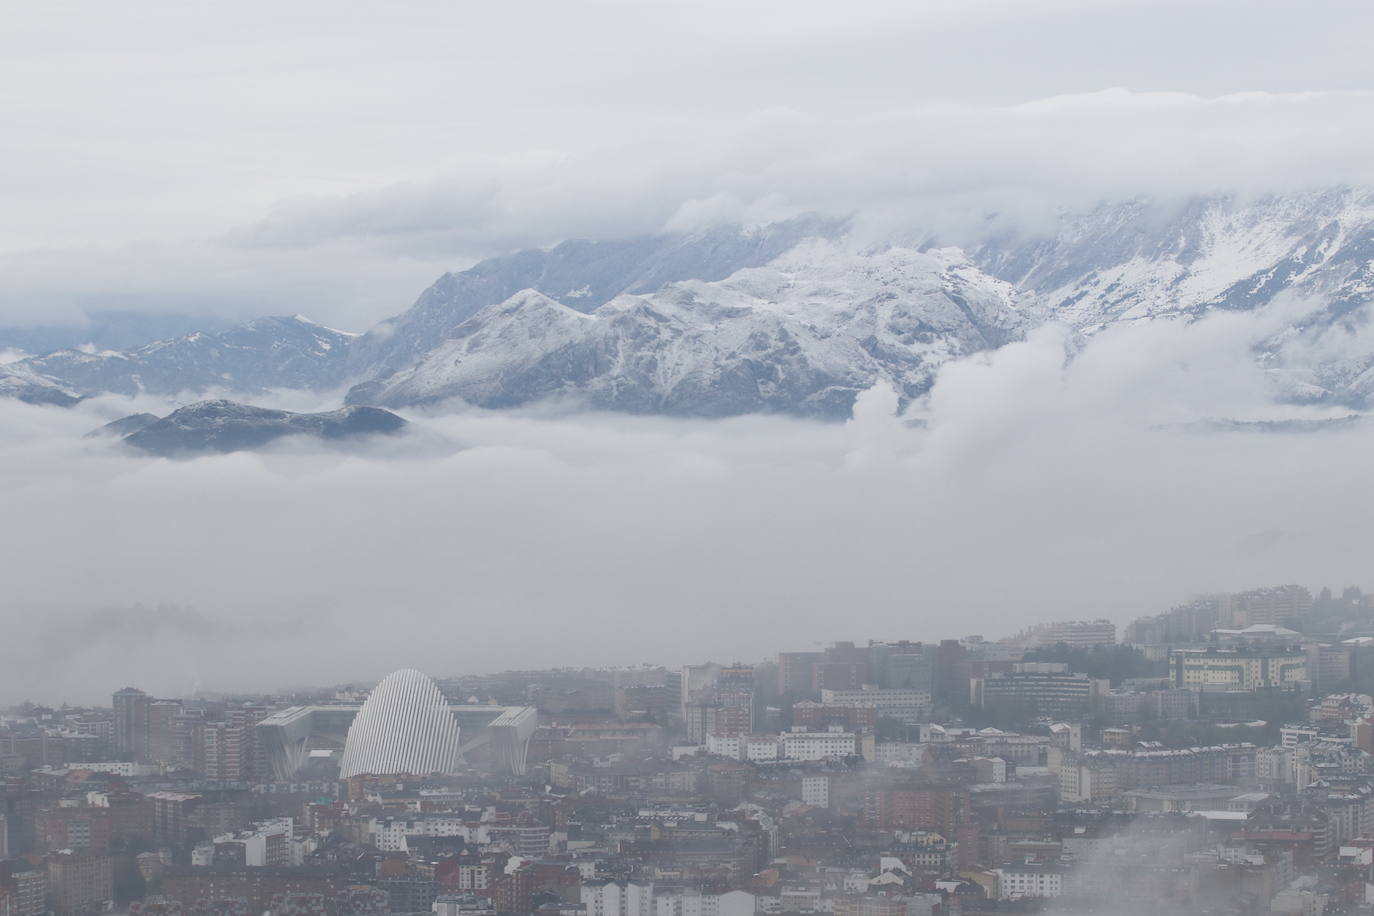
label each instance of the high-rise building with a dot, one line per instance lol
(131, 815)
(81, 829)
(735, 690)
(1269, 605)
(1329, 666)
(1180, 626)
(79, 884)
(131, 710)
(25, 887)
(252, 760)
(227, 750)
(163, 716)
(696, 681)
(902, 665)
(190, 740)
(721, 701)
(19, 805)
(797, 672)
(949, 685)
(172, 815)
(844, 666)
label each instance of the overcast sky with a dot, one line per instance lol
(330, 158)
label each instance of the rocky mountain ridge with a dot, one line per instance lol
(802, 335)
(790, 318)
(227, 426)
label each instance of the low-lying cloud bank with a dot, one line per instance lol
(954, 170)
(1030, 486)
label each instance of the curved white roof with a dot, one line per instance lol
(405, 727)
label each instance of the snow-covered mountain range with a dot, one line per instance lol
(581, 274)
(796, 317)
(1143, 260)
(802, 335)
(264, 353)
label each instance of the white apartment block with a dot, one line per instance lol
(389, 834)
(815, 790)
(1028, 881)
(818, 745)
(801, 745)
(613, 898)
(911, 706)
(692, 902)
(1274, 765)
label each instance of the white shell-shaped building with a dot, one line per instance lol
(405, 727)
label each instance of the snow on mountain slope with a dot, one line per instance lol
(581, 274)
(802, 335)
(25, 384)
(1139, 259)
(265, 353)
(1118, 262)
(788, 318)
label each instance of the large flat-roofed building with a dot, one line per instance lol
(899, 703)
(1046, 688)
(1239, 667)
(286, 735)
(1269, 605)
(1078, 634)
(817, 745)
(1094, 775)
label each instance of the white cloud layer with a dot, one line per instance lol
(331, 158)
(1038, 488)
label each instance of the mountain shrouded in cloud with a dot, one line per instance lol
(794, 317)
(1082, 288)
(337, 167)
(1030, 486)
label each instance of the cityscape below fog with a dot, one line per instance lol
(1215, 758)
(687, 458)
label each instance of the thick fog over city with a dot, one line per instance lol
(1027, 486)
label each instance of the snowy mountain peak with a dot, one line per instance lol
(582, 274)
(1144, 259)
(271, 352)
(803, 334)
(793, 317)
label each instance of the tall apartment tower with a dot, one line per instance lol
(163, 720)
(797, 672)
(131, 714)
